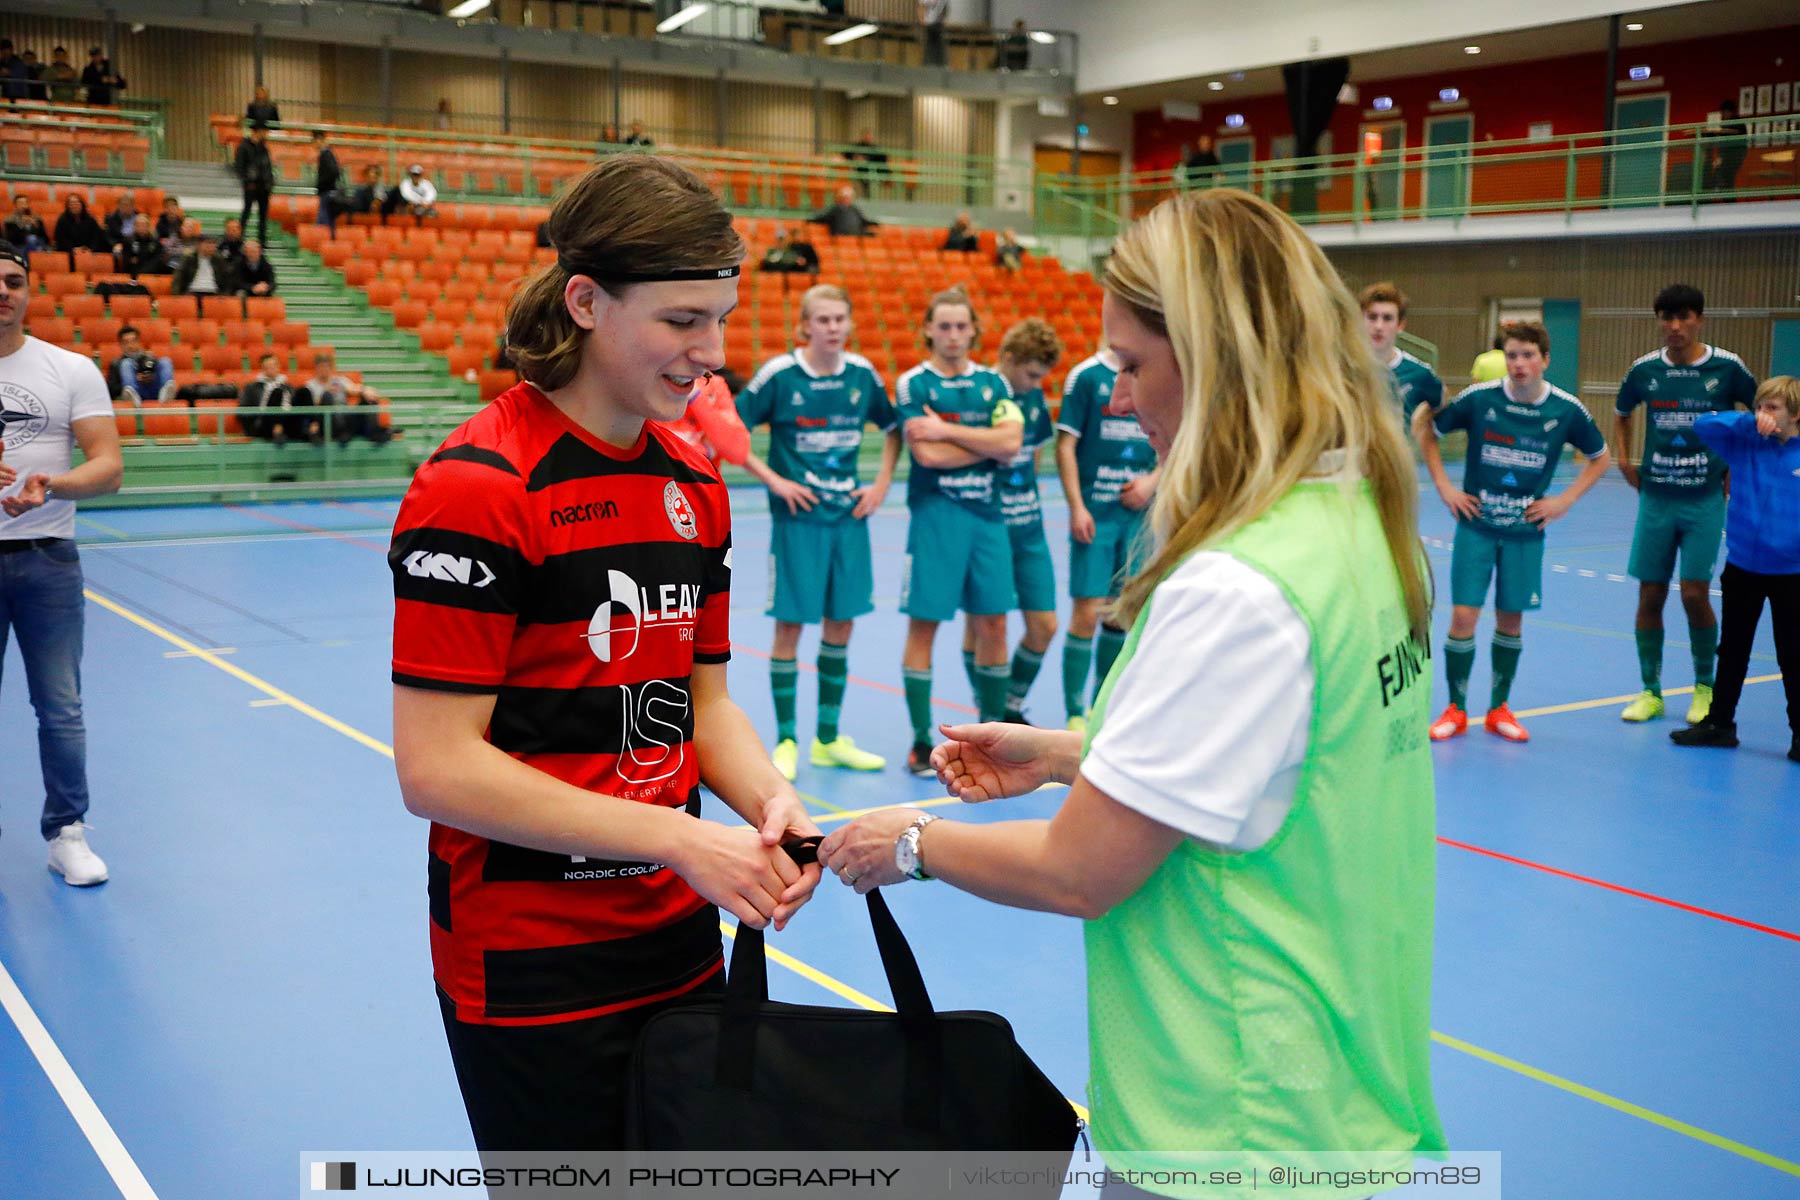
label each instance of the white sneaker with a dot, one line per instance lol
(168, 392)
(131, 397)
(71, 858)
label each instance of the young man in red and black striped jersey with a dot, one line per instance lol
(562, 573)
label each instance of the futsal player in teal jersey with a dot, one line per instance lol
(816, 400)
(1028, 353)
(1517, 429)
(1108, 471)
(1681, 489)
(961, 424)
(1411, 378)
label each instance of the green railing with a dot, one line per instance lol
(1668, 166)
(51, 142)
(210, 463)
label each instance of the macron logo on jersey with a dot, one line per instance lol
(448, 568)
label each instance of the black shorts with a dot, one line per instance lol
(551, 1087)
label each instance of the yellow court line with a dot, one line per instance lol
(1625, 1106)
(1603, 702)
(268, 689)
(106, 529)
(845, 991)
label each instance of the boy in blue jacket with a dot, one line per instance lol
(1762, 552)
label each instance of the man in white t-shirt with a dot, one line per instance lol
(50, 401)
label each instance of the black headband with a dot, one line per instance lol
(607, 274)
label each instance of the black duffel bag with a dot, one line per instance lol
(745, 1073)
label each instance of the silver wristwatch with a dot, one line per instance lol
(906, 848)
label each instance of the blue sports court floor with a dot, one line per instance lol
(1618, 922)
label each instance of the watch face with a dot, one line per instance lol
(906, 858)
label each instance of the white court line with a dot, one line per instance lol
(113, 1155)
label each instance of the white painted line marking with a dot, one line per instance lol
(113, 1155)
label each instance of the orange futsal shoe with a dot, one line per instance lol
(1454, 723)
(1502, 723)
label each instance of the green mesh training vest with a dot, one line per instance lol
(1280, 999)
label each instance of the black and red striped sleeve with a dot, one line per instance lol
(712, 632)
(460, 562)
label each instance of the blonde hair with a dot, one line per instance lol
(1032, 341)
(641, 212)
(949, 296)
(1786, 387)
(821, 291)
(1275, 372)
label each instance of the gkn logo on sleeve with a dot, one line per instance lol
(449, 568)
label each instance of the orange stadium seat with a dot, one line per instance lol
(178, 308)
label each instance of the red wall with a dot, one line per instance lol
(1569, 92)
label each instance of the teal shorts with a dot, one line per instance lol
(1033, 576)
(1514, 565)
(1100, 568)
(820, 571)
(956, 558)
(1672, 526)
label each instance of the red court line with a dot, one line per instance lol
(880, 687)
(1614, 887)
(301, 525)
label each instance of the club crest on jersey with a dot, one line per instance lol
(681, 513)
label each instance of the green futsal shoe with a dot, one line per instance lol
(787, 758)
(1647, 707)
(844, 753)
(1702, 705)
(1078, 724)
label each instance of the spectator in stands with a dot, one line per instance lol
(204, 273)
(790, 254)
(76, 228)
(262, 110)
(270, 392)
(15, 82)
(416, 193)
(143, 253)
(871, 163)
(932, 14)
(122, 224)
(440, 120)
(1015, 48)
(1008, 254)
(168, 225)
(844, 219)
(231, 245)
(137, 373)
(24, 228)
(327, 389)
(35, 88)
(367, 196)
(256, 172)
(1201, 164)
(327, 176)
(961, 234)
(609, 135)
(63, 79)
(189, 239)
(100, 80)
(253, 275)
(637, 136)
(1729, 145)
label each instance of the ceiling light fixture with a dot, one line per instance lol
(1109, 99)
(1043, 38)
(852, 33)
(671, 24)
(467, 8)
(1636, 27)
(1471, 49)
(1215, 86)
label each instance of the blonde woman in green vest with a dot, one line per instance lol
(1249, 829)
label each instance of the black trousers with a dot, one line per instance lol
(257, 198)
(551, 1087)
(1744, 593)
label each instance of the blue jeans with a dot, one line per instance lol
(40, 598)
(128, 378)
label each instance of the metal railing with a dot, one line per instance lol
(1668, 166)
(40, 141)
(514, 167)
